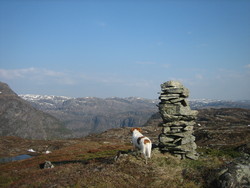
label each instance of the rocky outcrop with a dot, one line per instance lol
(235, 174)
(178, 121)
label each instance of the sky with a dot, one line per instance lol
(115, 48)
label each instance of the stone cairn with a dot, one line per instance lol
(178, 121)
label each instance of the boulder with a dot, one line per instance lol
(46, 165)
(234, 175)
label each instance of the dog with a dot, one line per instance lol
(141, 143)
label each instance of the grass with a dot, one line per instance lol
(168, 172)
(228, 152)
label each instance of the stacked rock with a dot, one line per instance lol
(178, 121)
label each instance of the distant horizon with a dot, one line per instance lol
(137, 97)
(126, 48)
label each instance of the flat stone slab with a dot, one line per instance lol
(172, 83)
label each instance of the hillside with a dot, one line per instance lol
(19, 118)
(222, 128)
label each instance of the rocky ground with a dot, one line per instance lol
(90, 161)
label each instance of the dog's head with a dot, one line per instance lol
(135, 128)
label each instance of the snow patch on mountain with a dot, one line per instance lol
(45, 101)
(51, 101)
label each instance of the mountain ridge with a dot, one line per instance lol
(19, 118)
(194, 103)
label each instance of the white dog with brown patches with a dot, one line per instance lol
(141, 142)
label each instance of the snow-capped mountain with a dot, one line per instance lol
(45, 101)
(212, 103)
(44, 97)
(51, 101)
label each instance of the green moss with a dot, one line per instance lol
(229, 152)
(194, 164)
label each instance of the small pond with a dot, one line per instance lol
(16, 158)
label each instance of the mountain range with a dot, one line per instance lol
(92, 115)
(44, 117)
(45, 102)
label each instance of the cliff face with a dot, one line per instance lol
(19, 118)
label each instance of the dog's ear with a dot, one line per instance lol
(132, 129)
(139, 129)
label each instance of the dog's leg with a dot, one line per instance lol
(135, 151)
(145, 156)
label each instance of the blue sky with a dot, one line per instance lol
(125, 48)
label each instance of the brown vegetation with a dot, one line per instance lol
(90, 163)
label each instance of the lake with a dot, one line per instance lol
(16, 158)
